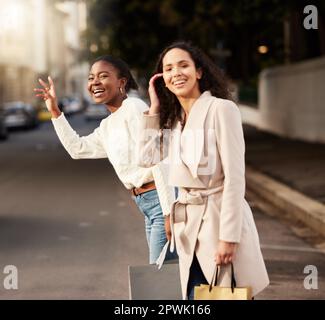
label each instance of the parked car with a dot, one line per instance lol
(70, 105)
(3, 128)
(96, 112)
(20, 115)
(44, 115)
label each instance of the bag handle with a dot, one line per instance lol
(216, 272)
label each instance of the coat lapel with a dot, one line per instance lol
(192, 137)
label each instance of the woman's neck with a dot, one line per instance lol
(188, 102)
(112, 109)
(113, 106)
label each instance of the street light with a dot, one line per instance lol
(263, 49)
(93, 48)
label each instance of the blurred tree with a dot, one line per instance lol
(230, 31)
(138, 30)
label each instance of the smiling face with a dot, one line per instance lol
(180, 74)
(104, 84)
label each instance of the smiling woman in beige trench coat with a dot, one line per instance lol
(211, 221)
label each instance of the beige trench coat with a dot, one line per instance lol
(206, 161)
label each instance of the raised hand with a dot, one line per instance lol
(47, 93)
(154, 101)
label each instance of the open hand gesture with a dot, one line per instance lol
(47, 93)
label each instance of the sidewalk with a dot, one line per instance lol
(289, 174)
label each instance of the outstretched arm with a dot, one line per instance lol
(88, 147)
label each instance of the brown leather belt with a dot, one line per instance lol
(144, 188)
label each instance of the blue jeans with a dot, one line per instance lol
(149, 205)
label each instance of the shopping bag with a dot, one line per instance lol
(213, 292)
(148, 282)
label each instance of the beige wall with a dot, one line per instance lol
(292, 100)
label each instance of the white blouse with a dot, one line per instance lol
(116, 139)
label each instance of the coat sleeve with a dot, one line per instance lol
(88, 147)
(231, 147)
(165, 192)
(148, 144)
(159, 170)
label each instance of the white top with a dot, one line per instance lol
(116, 139)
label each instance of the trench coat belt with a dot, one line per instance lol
(192, 197)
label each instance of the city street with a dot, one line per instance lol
(71, 228)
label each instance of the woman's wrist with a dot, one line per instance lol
(153, 110)
(56, 113)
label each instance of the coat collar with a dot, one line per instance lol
(195, 123)
(198, 101)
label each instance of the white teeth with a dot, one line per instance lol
(179, 82)
(98, 91)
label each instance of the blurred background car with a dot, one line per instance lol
(20, 115)
(96, 112)
(3, 128)
(43, 114)
(70, 105)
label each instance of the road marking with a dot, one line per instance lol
(85, 224)
(103, 213)
(289, 248)
(121, 204)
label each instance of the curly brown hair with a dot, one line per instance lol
(213, 79)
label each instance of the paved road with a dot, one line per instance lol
(69, 226)
(72, 229)
(286, 256)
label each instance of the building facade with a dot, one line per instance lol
(40, 38)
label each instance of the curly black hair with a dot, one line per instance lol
(213, 79)
(122, 69)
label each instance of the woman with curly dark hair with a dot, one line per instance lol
(212, 79)
(211, 221)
